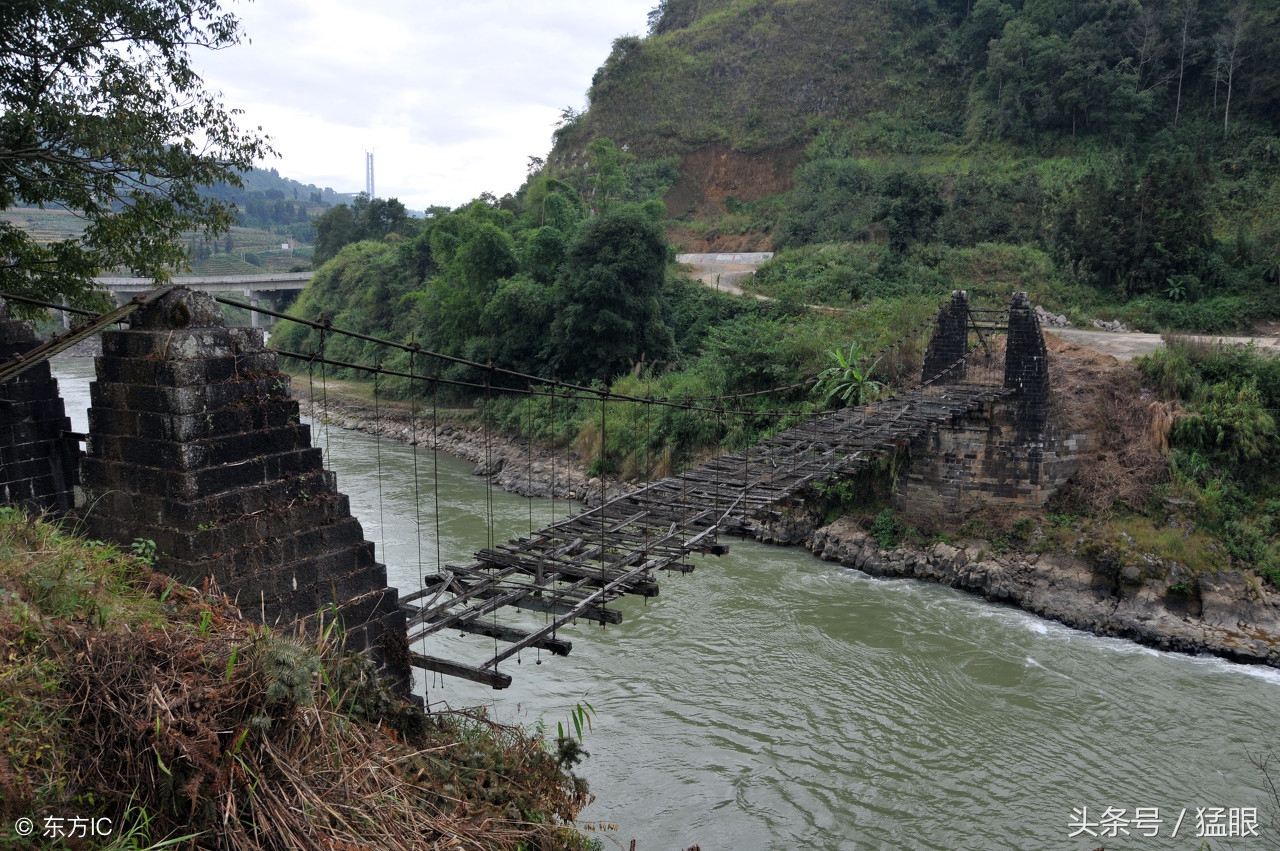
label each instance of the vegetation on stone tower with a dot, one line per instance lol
(102, 113)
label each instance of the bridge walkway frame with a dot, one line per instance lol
(575, 568)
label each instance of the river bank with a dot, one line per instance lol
(149, 710)
(1226, 613)
(510, 461)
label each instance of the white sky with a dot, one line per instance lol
(452, 97)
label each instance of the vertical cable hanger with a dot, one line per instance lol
(604, 472)
(377, 449)
(435, 464)
(529, 402)
(311, 387)
(635, 434)
(648, 432)
(553, 453)
(325, 325)
(488, 489)
(715, 461)
(684, 499)
(568, 453)
(413, 442)
(417, 496)
(488, 459)
(604, 466)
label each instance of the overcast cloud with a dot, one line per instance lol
(453, 97)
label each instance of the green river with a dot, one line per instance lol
(770, 700)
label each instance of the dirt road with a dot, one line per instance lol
(724, 271)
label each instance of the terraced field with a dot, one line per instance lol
(247, 244)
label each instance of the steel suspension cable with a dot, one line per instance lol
(588, 394)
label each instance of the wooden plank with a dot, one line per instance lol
(590, 559)
(493, 679)
(596, 614)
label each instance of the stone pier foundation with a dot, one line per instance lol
(1010, 453)
(195, 443)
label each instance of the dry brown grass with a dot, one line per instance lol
(1096, 393)
(174, 706)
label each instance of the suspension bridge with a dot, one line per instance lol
(574, 569)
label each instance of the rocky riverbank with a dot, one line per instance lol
(1226, 613)
(511, 462)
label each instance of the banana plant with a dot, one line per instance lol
(845, 381)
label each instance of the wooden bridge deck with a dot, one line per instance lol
(574, 568)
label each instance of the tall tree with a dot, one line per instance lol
(366, 218)
(1145, 37)
(1188, 17)
(608, 316)
(1230, 55)
(101, 113)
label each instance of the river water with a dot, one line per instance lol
(770, 700)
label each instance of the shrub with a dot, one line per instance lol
(886, 530)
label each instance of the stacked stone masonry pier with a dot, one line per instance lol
(1013, 452)
(950, 341)
(195, 443)
(39, 458)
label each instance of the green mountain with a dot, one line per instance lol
(285, 207)
(1130, 147)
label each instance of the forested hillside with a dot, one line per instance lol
(762, 74)
(1125, 153)
(278, 204)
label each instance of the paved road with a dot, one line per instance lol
(1131, 344)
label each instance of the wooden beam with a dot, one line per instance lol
(557, 646)
(493, 679)
(533, 604)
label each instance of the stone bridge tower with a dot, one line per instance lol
(195, 443)
(39, 458)
(1011, 452)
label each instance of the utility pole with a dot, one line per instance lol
(368, 174)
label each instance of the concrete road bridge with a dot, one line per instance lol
(256, 289)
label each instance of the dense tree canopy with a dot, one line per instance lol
(543, 288)
(102, 113)
(607, 313)
(365, 218)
